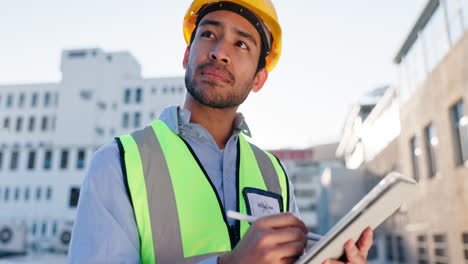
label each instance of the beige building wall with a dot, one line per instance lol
(386, 161)
(442, 205)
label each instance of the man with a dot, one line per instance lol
(160, 195)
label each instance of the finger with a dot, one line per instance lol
(353, 255)
(332, 261)
(287, 235)
(289, 260)
(289, 250)
(365, 241)
(282, 220)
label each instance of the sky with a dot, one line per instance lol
(334, 51)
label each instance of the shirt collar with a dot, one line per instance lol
(175, 116)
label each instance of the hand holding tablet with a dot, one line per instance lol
(381, 202)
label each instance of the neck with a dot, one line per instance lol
(218, 122)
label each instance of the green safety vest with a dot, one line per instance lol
(179, 215)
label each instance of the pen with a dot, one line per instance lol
(251, 219)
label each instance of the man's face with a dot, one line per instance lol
(222, 60)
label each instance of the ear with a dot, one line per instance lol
(260, 80)
(186, 57)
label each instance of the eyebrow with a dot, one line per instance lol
(246, 35)
(237, 31)
(210, 22)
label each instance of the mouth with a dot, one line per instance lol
(211, 73)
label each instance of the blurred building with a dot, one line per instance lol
(304, 168)
(368, 145)
(48, 133)
(420, 129)
(433, 68)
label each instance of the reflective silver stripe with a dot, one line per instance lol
(268, 170)
(165, 226)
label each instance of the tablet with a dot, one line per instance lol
(381, 202)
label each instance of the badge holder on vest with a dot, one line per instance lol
(261, 203)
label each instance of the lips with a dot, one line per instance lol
(216, 74)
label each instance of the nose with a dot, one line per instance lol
(219, 53)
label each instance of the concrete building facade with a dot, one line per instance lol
(49, 132)
(434, 138)
(428, 140)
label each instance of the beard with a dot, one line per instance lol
(210, 97)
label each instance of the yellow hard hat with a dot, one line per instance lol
(263, 9)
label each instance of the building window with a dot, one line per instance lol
(127, 95)
(34, 100)
(431, 143)
(77, 54)
(17, 193)
(7, 194)
(459, 129)
(415, 153)
(48, 159)
(44, 123)
(46, 99)
(164, 90)
(373, 253)
(455, 20)
(401, 249)
(74, 196)
(31, 123)
(44, 228)
(9, 101)
(99, 131)
(19, 124)
(26, 194)
(34, 228)
(389, 247)
(86, 94)
(21, 100)
(1, 160)
(38, 193)
(137, 120)
(465, 244)
(125, 120)
(54, 228)
(101, 105)
(64, 159)
(49, 193)
(6, 123)
(440, 248)
(14, 160)
(422, 252)
(80, 161)
(138, 95)
(436, 39)
(31, 159)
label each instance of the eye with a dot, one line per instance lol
(207, 34)
(242, 45)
